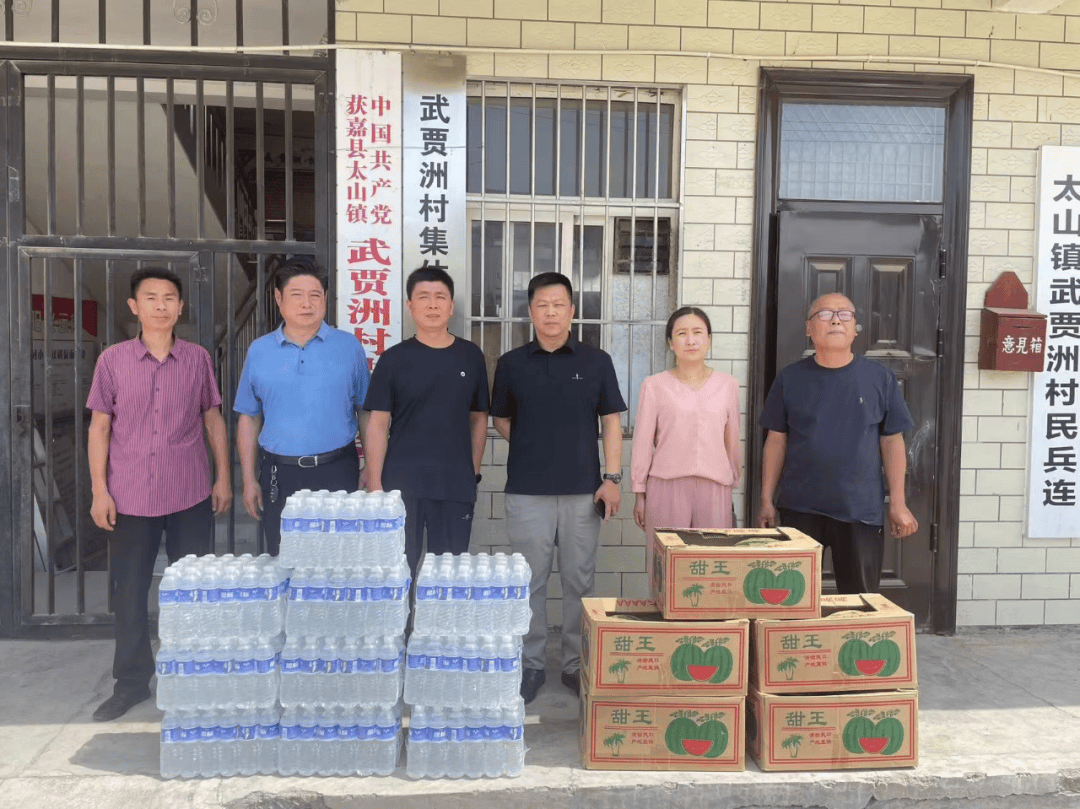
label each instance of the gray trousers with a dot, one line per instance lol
(536, 523)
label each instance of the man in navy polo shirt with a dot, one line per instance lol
(834, 421)
(547, 398)
(428, 401)
(305, 382)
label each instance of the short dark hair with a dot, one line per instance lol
(160, 273)
(550, 279)
(299, 265)
(430, 275)
(683, 311)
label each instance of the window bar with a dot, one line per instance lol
(146, 22)
(230, 166)
(260, 170)
(285, 24)
(632, 155)
(507, 253)
(110, 153)
(532, 186)
(200, 156)
(55, 20)
(581, 185)
(260, 320)
(51, 215)
(80, 421)
(653, 285)
(102, 21)
(239, 23)
(140, 138)
(288, 149)
(80, 154)
(482, 312)
(9, 21)
(170, 154)
(228, 372)
(47, 438)
(193, 27)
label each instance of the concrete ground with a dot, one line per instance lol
(999, 727)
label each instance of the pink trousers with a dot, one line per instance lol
(689, 502)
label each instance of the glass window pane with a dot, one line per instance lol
(495, 146)
(521, 146)
(545, 146)
(487, 268)
(595, 148)
(862, 152)
(475, 146)
(622, 146)
(570, 149)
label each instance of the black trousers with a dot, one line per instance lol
(278, 481)
(448, 524)
(133, 548)
(857, 549)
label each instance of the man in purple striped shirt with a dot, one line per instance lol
(152, 398)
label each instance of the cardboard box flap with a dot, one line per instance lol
(748, 538)
(845, 606)
(630, 609)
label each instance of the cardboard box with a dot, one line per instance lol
(663, 733)
(860, 643)
(628, 648)
(736, 573)
(855, 731)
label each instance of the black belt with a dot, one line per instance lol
(310, 461)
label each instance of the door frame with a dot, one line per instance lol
(956, 93)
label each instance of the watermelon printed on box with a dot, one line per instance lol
(628, 648)
(662, 733)
(800, 732)
(860, 643)
(736, 573)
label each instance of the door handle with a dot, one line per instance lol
(22, 414)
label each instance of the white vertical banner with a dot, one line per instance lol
(434, 135)
(368, 174)
(1054, 451)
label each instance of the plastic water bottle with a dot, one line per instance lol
(188, 752)
(249, 600)
(455, 748)
(418, 744)
(325, 746)
(188, 594)
(427, 592)
(461, 596)
(168, 591)
(513, 756)
(490, 676)
(364, 761)
(475, 732)
(209, 612)
(415, 670)
(207, 748)
(227, 732)
(165, 668)
(369, 525)
(442, 617)
(347, 691)
(328, 691)
(328, 550)
(387, 740)
(268, 735)
(247, 742)
(509, 670)
(389, 679)
(439, 736)
(171, 752)
(242, 673)
(228, 601)
(519, 589)
(309, 536)
(470, 674)
(397, 608)
(481, 595)
(289, 742)
(449, 668)
(290, 531)
(202, 690)
(349, 530)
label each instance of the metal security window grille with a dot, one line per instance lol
(582, 180)
(171, 23)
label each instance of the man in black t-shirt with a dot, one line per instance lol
(428, 399)
(834, 420)
(547, 399)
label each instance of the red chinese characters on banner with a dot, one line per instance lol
(369, 203)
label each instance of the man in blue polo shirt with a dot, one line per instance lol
(835, 421)
(305, 382)
(546, 400)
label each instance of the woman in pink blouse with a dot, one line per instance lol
(686, 455)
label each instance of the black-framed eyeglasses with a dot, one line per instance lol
(828, 314)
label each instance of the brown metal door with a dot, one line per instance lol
(887, 264)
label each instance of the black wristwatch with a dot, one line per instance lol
(616, 478)
(479, 477)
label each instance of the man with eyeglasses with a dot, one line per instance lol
(835, 421)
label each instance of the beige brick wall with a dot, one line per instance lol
(1004, 578)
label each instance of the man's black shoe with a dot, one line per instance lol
(531, 680)
(119, 704)
(572, 680)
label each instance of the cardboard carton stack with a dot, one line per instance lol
(836, 692)
(739, 639)
(665, 681)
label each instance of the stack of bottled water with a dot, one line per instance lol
(463, 667)
(342, 665)
(220, 623)
(342, 530)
